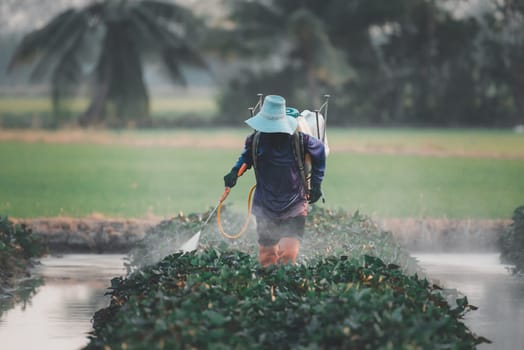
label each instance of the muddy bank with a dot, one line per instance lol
(103, 235)
(89, 235)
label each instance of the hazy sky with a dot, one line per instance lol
(25, 15)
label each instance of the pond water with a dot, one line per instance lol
(59, 315)
(488, 285)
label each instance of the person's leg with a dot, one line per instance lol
(289, 245)
(267, 241)
(288, 250)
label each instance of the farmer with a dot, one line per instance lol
(281, 196)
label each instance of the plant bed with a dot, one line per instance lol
(222, 299)
(328, 232)
(339, 296)
(18, 249)
(511, 243)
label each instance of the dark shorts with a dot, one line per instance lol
(270, 231)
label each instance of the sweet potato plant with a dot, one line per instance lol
(341, 296)
(511, 243)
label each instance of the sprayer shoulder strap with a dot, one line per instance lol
(298, 152)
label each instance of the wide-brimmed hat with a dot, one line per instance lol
(272, 117)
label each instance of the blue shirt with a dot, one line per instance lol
(280, 191)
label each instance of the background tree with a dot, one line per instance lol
(427, 57)
(294, 55)
(502, 59)
(404, 62)
(105, 44)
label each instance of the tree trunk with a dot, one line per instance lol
(96, 112)
(517, 87)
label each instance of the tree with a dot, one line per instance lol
(292, 35)
(105, 44)
(502, 45)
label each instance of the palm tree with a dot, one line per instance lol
(104, 44)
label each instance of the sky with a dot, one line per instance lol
(25, 15)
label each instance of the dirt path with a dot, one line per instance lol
(228, 139)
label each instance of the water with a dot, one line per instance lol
(59, 315)
(488, 285)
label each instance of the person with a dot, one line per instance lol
(281, 196)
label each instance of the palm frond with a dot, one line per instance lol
(66, 38)
(65, 80)
(148, 31)
(172, 48)
(167, 11)
(38, 40)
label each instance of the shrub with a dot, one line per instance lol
(18, 246)
(512, 242)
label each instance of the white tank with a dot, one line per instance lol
(307, 123)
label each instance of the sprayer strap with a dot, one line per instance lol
(298, 152)
(254, 148)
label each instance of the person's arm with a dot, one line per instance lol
(317, 152)
(246, 157)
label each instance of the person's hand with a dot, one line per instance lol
(314, 193)
(230, 179)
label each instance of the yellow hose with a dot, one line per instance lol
(246, 223)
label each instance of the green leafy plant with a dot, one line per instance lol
(511, 242)
(327, 232)
(18, 246)
(223, 299)
(341, 295)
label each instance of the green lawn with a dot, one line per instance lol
(165, 107)
(41, 179)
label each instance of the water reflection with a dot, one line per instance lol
(488, 285)
(21, 295)
(59, 315)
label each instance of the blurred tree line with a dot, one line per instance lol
(402, 62)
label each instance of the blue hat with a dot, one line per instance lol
(272, 117)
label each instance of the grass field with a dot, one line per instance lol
(165, 107)
(384, 173)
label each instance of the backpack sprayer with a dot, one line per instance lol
(307, 125)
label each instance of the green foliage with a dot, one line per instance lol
(17, 247)
(221, 299)
(341, 295)
(406, 62)
(19, 238)
(103, 45)
(328, 232)
(512, 242)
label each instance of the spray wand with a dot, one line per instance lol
(192, 243)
